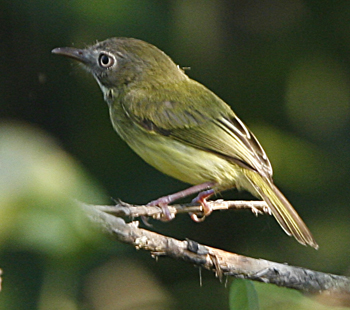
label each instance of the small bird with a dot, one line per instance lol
(182, 128)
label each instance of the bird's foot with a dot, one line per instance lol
(206, 209)
(163, 203)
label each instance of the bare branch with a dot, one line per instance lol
(123, 209)
(221, 262)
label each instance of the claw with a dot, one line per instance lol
(196, 218)
(163, 204)
(145, 221)
(202, 199)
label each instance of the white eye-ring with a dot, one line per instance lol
(106, 60)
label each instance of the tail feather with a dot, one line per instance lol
(281, 209)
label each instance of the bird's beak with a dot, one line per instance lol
(74, 53)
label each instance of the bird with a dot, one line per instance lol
(182, 128)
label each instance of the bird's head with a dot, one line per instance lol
(125, 62)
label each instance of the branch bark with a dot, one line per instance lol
(222, 263)
(123, 209)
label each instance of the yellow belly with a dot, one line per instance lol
(187, 163)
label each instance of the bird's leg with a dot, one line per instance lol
(202, 199)
(164, 201)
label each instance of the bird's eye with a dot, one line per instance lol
(106, 60)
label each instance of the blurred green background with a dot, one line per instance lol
(284, 67)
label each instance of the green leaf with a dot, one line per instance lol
(243, 295)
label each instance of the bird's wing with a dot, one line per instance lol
(231, 139)
(196, 116)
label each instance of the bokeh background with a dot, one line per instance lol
(284, 67)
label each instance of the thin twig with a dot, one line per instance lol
(123, 209)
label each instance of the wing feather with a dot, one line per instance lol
(213, 127)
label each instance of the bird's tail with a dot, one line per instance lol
(281, 209)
